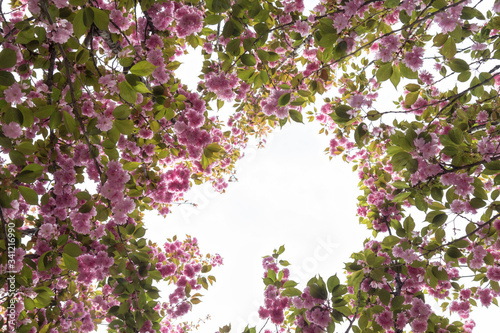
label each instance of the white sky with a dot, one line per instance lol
(288, 193)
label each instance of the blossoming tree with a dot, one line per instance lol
(96, 129)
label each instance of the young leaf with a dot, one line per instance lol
(143, 68)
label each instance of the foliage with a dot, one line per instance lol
(90, 97)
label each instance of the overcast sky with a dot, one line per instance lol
(288, 193)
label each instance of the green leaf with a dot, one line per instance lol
(412, 87)
(456, 135)
(29, 304)
(373, 115)
(121, 112)
(439, 219)
(411, 98)
(391, 3)
(449, 49)
(438, 4)
(30, 173)
(401, 197)
(29, 195)
(142, 68)
(477, 203)
(284, 99)
(360, 134)
(247, 73)
(17, 157)
(8, 58)
(494, 165)
(407, 72)
(384, 296)
(263, 55)
(218, 6)
(332, 282)
(82, 56)
(70, 123)
(397, 302)
(400, 160)
(328, 40)
(26, 148)
(44, 111)
(458, 65)
(440, 274)
(213, 19)
(296, 116)
(453, 252)
(5, 199)
(400, 184)
(101, 18)
(384, 72)
(291, 292)
(396, 76)
(72, 249)
(70, 262)
(228, 29)
(6, 79)
(317, 291)
(88, 16)
(248, 59)
(42, 300)
(233, 47)
(79, 27)
(464, 76)
(390, 241)
(479, 87)
(124, 126)
(440, 39)
(127, 92)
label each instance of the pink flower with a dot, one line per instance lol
(420, 309)
(13, 94)
(320, 317)
(448, 20)
(12, 130)
(485, 296)
(493, 273)
(340, 22)
(118, 21)
(222, 85)
(104, 123)
(189, 21)
(60, 31)
(478, 47)
(426, 77)
(47, 230)
(263, 313)
(391, 43)
(419, 325)
(162, 14)
(413, 59)
(145, 133)
(302, 28)
(496, 224)
(270, 105)
(482, 117)
(61, 3)
(384, 319)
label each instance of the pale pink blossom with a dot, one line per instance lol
(13, 94)
(189, 21)
(12, 130)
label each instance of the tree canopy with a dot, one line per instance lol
(96, 129)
